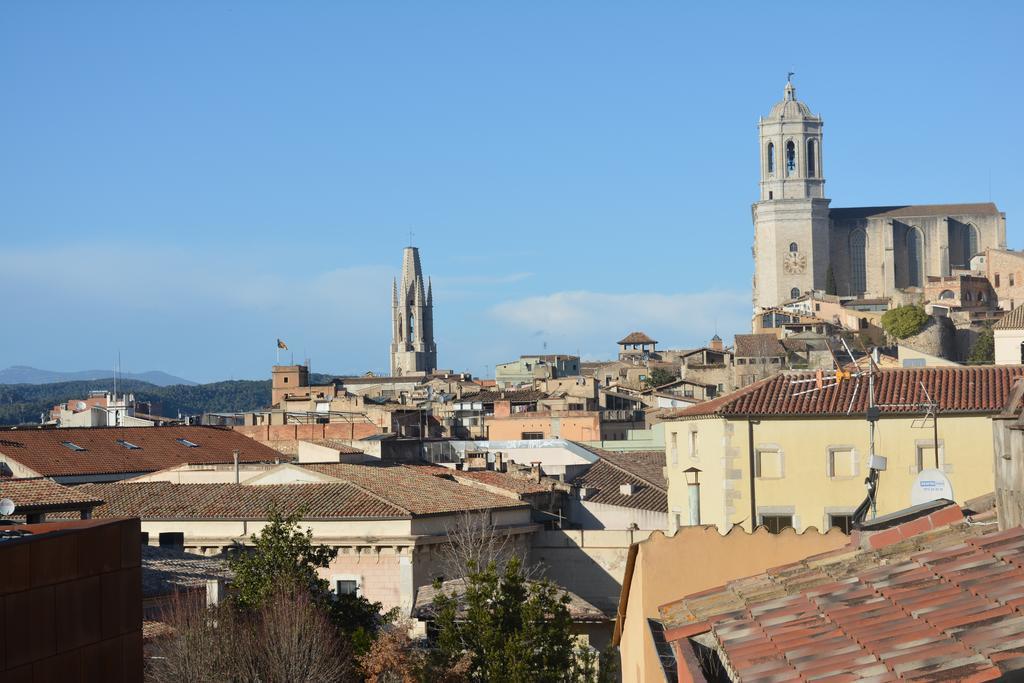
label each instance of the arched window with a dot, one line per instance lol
(793, 248)
(794, 293)
(858, 261)
(915, 258)
(412, 328)
(811, 156)
(771, 157)
(947, 294)
(790, 158)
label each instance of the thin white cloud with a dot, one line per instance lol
(593, 320)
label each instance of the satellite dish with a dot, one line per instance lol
(930, 485)
(6, 506)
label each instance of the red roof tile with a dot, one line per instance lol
(975, 389)
(40, 495)
(636, 338)
(165, 500)
(415, 489)
(939, 605)
(645, 470)
(44, 450)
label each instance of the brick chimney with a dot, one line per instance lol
(499, 462)
(716, 343)
(535, 471)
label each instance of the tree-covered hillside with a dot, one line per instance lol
(23, 403)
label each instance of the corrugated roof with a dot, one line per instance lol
(973, 389)
(938, 604)
(108, 450)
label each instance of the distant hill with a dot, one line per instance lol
(22, 374)
(23, 403)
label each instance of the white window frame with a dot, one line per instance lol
(335, 578)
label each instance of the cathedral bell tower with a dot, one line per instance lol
(791, 220)
(413, 351)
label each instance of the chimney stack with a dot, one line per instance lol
(535, 471)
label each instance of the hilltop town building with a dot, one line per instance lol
(801, 244)
(413, 351)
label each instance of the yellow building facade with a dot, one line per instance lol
(811, 458)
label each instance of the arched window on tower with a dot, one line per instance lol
(794, 293)
(793, 248)
(790, 158)
(412, 328)
(811, 170)
(771, 158)
(858, 262)
(915, 258)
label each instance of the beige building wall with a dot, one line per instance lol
(1008, 347)
(815, 467)
(1005, 272)
(664, 569)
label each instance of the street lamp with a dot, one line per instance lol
(693, 491)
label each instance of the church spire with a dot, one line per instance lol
(412, 346)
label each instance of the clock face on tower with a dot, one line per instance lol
(795, 263)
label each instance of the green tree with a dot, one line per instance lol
(512, 630)
(284, 557)
(660, 376)
(904, 321)
(281, 555)
(984, 348)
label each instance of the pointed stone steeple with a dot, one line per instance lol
(412, 346)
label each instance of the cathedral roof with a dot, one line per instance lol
(915, 210)
(790, 107)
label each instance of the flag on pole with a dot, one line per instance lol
(282, 345)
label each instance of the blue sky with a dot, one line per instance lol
(185, 182)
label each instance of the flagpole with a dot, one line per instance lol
(278, 354)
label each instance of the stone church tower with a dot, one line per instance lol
(413, 351)
(791, 220)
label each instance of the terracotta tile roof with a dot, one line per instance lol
(1014, 320)
(502, 480)
(941, 603)
(415, 489)
(636, 338)
(758, 345)
(291, 446)
(520, 396)
(579, 609)
(643, 469)
(974, 389)
(44, 450)
(41, 495)
(983, 209)
(164, 500)
(165, 570)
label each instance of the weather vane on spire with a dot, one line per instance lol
(789, 76)
(411, 233)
